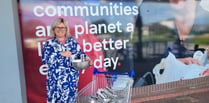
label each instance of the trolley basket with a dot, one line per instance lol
(107, 87)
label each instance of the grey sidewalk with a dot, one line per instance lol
(201, 97)
(187, 91)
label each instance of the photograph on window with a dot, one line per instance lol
(68, 43)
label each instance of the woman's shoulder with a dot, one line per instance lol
(50, 41)
(71, 39)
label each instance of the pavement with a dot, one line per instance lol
(197, 96)
(201, 97)
(187, 91)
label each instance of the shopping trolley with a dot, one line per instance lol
(107, 87)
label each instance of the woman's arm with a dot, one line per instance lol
(189, 60)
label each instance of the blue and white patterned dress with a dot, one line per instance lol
(62, 78)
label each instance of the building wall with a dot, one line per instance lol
(12, 88)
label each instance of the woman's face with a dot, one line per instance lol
(60, 30)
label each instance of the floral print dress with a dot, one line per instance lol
(62, 77)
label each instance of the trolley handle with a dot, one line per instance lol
(96, 71)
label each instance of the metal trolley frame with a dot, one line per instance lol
(118, 84)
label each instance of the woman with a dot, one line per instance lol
(62, 78)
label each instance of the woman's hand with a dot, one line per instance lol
(66, 54)
(89, 59)
(189, 60)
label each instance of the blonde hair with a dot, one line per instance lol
(55, 23)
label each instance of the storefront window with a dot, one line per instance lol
(149, 37)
